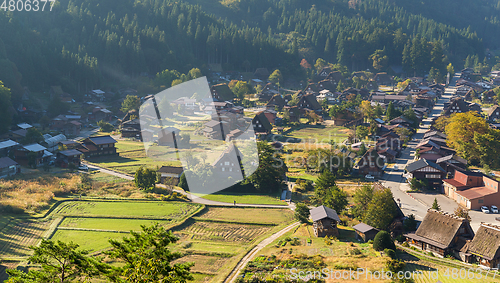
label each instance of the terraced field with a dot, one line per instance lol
(215, 240)
(108, 223)
(248, 215)
(88, 240)
(18, 236)
(204, 263)
(224, 232)
(144, 209)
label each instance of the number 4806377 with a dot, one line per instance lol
(26, 5)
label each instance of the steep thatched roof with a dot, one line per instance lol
(223, 91)
(263, 121)
(440, 227)
(486, 242)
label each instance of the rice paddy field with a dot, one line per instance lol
(214, 238)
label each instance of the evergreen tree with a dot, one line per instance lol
(5, 109)
(383, 241)
(146, 257)
(131, 102)
(60, 262)
(435, 205)
(302, 212)
(391, 112)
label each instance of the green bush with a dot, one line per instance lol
(405, 244)
(370, 242)
(383, 241)
(355, 251)
(390, 253)
(400, 238)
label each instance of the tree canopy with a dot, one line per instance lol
(5, 109)
(146, 257)
(131, 102)
(381, 210)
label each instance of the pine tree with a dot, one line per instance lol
(435, 205)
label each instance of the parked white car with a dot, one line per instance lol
(485, 209)
(83, 167)
(494, 209)
(369, 177)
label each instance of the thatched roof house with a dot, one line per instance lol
(485, 247)
(441, 233)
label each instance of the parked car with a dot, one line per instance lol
(83, 167)
(494, 209)
(485, 209)
(369, 177)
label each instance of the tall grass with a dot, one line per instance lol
(35, 195)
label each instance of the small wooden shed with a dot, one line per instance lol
(365, 232)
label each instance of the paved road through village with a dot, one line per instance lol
(418, 203)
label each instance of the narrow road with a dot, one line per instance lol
(251, 254)
(193, 198)
(397, 183)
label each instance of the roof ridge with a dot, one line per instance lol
(447, 214)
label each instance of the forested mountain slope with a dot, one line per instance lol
(83, 44)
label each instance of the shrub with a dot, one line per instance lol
(400, 238)
(390, 253)
(406, 245)
(383, 241)
(370, 242)
(355, 251)
(395, 265)
(328, 242)
(430, 254)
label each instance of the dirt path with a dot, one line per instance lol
(251, 254)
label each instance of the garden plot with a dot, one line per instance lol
(224, 232)
(17, 237)
(249, 215)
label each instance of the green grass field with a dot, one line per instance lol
(109, 224)
(245, 198)
(144, 209)
(106, 178)
(249, 215)
(87, 240)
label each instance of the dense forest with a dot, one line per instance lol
(85, 44)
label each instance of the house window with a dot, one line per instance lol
(226, 163)
(481, 201)
(223, 169)
(432, 176)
